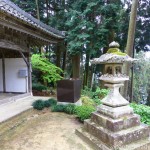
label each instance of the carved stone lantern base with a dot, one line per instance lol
(124, 133)
(114, 126)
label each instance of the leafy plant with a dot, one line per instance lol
(70, 109)
(141, 84)
(38, 104)
(87, 92)
(58, 108)
(95, 96)
(84, 112)
(49, 72)
(143, 111)
(87, 101)
(97, 101)
(38, 87)
(101, 93)
(50, 102)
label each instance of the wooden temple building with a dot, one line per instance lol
(19, 31)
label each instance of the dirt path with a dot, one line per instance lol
(41, 131)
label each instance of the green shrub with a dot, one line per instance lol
(38, 104)
(87, 92)
(97, 101)
(70, 109)
(87, 101)
(143, 111)
(38, 87)
(51, 102)
(58, 108)
(100, 93)
(84, 112)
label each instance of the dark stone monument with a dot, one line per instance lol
(68, 91)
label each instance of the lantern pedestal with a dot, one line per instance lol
(114, 126)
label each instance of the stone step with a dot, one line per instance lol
(115, 124)
(14, 98)
(97, 144)
(117, 138)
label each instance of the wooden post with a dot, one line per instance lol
(29, 74)
(3, 70)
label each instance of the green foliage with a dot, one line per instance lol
(38, 87)
(93, 98)
(100, 93)
(70, 109)
(87, 101)
(39, 105)
(58, 108)
(84, 112)
(87, 92)
(50, 102)
(97, 101)
(143, 111)
(141, 84)
(97, 94)
(49, 72)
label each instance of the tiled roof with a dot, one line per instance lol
(10, 8)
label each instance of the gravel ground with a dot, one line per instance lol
(34, 130)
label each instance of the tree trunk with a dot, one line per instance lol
(58, 56)
(86, 74)
(37, 9)
(76, 66)
(64, 58)
(130, 42)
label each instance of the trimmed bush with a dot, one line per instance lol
(70, 109)
(39, 105)
(143, 111)
(84, 112)
(50, 102)
(58, 108)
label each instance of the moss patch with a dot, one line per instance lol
(116, 51)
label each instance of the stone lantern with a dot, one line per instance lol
(114, 126)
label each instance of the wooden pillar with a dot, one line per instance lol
(29, 73)
(28, 63)
(3, 70)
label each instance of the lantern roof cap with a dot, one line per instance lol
(112, 58)
(113, 55)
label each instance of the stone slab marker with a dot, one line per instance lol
(114, 126)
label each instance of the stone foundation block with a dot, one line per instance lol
(115, 124)
(120, 138)
(97, 144)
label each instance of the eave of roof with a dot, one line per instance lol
(10, 8)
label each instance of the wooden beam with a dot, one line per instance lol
(11, 45)
(24, 58)
(26, 31)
